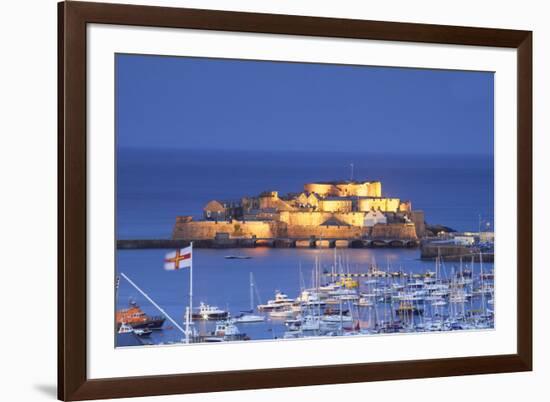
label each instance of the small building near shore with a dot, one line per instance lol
(464, 240)
(487, 237)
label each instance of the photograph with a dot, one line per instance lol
(273, 201)
(243, 201)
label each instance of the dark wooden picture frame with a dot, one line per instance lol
(73, 383)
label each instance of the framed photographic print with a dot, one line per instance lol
(253, 200)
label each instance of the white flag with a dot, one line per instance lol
(181, 258)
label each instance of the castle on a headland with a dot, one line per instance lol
(323, 210)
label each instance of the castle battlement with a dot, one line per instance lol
(345, 188)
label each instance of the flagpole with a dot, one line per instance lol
(190, 309)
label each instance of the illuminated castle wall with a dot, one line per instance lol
(323, 209)
(345, 189)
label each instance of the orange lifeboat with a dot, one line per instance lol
(136, 318)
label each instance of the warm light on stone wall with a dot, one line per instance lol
(335, 205)
(382, 204)
(345, 189)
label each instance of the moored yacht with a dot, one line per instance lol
(336, 318)
(281, 300)
(225, 331)
(281, 313)
(207, 312)
(309, 298)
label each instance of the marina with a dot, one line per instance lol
(289, 294)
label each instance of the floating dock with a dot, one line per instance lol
(454, 252)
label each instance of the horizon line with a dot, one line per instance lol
(166, 148)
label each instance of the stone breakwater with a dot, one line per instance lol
(207, 230)
(220, 242)
(454, 252)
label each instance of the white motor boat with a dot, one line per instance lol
(329, 287)
(225, 331)
(342, 292)
(365, 302)
(309, 298)
(337, 318)
(207, 312)
(125, 328)
(284, 313)
(249, 318)
(281, 300)
(349, 297)
(142, 331)
(310, 323)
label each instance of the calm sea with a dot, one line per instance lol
(154, 186)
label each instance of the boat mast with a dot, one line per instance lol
(251, 293)
(301, 275)
(333, 270)
(117, 284)
(483, 312)
(473, 289)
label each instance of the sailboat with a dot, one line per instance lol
(248, 317)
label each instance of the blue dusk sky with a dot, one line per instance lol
(198, 103)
